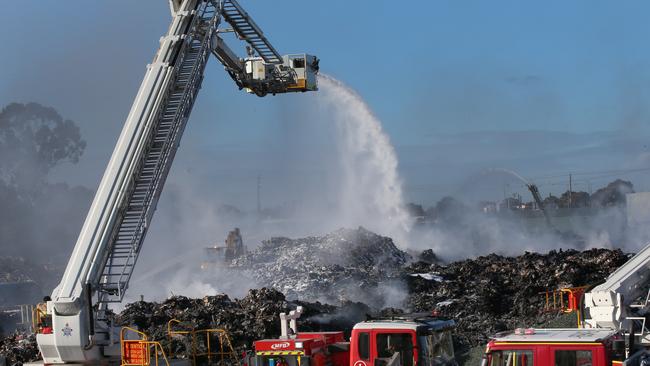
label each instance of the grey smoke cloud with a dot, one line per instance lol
(39, 219)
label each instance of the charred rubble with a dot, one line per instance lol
(248, 319)
(484, 295)
(347, 264)
(17, 348)
(493, 293)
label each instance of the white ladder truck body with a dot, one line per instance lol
(111, 238)
(622, 301)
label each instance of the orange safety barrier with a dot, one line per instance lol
(138, 352)
(135, 353)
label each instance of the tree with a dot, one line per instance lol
(578, 199)
(33, 140)
(415, 210)
(551, 202)
(37, 215)
(613, 194)
(450, 210)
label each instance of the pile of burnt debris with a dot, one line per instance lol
(345, 265)
(22, 281)
(251, 318)
(484, 295)
(493, 293)
(19, 269)
(17, 348)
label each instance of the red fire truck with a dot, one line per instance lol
(559, 347)
(408, 340)
(613, 327)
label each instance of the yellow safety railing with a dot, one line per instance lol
(138, 352)
(37, 316)
(171, 333)
(224, 354)
(566, 300)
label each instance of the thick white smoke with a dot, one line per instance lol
(370, 188)
(363, 189)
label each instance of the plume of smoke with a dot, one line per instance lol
(38, 217)
(458, 230)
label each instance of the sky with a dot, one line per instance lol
(461, 87)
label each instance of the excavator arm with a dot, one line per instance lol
(108, 246)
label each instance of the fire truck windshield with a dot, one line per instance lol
(435, 348)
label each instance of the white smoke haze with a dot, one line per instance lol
(362, 188)
(465, 231)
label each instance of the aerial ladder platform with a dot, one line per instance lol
(107, 249)
(623, 300)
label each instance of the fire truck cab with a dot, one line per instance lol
(407, 340)
(559, 347)
(421, 341)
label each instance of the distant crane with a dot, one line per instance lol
(534, 191)
(540, 204)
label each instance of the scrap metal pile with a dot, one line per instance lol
(19, 269)
(251, 318)
(347, 264)
(18, 348)
(484, 294)
(494, 293)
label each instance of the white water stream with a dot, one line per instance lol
(371, 189)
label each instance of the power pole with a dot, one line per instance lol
(570, 189)
(259, 190)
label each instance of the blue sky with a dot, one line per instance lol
(455, 83)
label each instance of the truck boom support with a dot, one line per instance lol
(111, 238)
(609, 303)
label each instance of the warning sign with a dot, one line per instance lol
(135, 353)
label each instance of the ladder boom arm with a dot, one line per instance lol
(110, 240)
(108, 246)
(610, 302)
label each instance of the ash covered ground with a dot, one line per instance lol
(349, 272)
